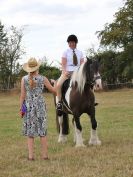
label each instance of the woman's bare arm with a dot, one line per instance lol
(23, 93)
(49, 86)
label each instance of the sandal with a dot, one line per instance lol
(45, 158)
(31, 159)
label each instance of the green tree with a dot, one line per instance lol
(14, 51)
(10, 52)
(3, 62)
(126, 63)
(3, 37)
(50, 72)
(119, 35)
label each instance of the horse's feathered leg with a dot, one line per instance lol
(74, 132)
(62, 125)
(62, 138)
(78, 132)
(94, 140)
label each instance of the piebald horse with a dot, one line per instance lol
(78, 98)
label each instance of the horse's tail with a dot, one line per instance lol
(65, 125)
(57, 121)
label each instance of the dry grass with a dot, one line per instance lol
(113, 159)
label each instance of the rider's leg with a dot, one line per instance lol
(58, 87)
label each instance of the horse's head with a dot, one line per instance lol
(87, 74)
(92, 73)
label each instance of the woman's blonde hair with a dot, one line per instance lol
(32, 83)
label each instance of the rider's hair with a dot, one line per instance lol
(72, 38)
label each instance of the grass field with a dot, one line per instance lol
(114, 158)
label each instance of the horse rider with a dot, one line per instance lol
(72, 58)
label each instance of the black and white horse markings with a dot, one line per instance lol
(78, 99)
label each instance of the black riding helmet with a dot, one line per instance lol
(72, 38)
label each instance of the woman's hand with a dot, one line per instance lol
(53, 82)
(66, 73)
(22, 97)
(49, 86)
(21, 113)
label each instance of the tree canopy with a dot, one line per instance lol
(117, 41)
(10, 52)
(119, 33)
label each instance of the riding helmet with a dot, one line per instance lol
(72, 38)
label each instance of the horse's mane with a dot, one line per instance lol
(79, 77)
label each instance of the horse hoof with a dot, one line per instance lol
(99, 142)
(80, 145)
(95, 142)
(62, 140)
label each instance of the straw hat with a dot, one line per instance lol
(32, 65)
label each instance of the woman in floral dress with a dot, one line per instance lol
(35, 114)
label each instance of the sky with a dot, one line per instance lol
(48, 23)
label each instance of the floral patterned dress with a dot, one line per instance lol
(35, 119)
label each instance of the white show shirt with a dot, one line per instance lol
(68, 54)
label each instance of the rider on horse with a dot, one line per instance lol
(72, 58)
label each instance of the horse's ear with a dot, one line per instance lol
(89, 60)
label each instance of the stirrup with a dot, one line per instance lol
(59, 108)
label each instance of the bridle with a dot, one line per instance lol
(96, 78)
(92, 82)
